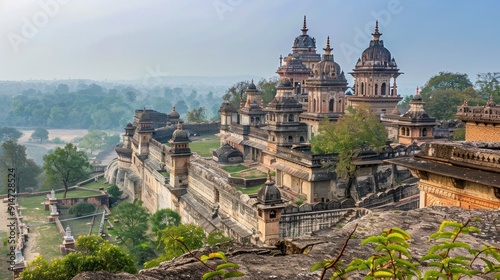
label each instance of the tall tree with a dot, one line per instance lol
(268, 88)
(93, 140)
(27, 171)
(445, 80)
(197, 115)
(40, 133)
(236, 93)
(164, 218)
(488, 84)
(66, 165)
(133, 222)
(357, 129)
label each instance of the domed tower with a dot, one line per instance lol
(372, 78)
(283, 126)
(298, 64)
(269, 212)
(326, 91)
(144, 133)
(416, 125)
(174, 116)
(180, 154)
(228, 115)
(251, 113)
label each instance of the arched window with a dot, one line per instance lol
(290, 139)
(285, 117)
(424, 131)
(362, 88)
(402, 131)
(330, 105)
(251, 120)
(257, 120)
(272, 214)
(314, 105)
(291, 118)
(376, 89)
(407, 131)
(302, 139)
(383, 89)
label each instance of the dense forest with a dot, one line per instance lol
(96, 106)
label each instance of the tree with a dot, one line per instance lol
(488, 84)
(40, 133)
(8, 133)
(197, 115)
(14, 156)
(444, 102)
(115, 193)
(66, 165)
(81, 208)
(93, 140)
(445, 80)
(236, 93)
(268, 88)
(94, 254)
(163, 219)
(181, 107)
(356, 130)
(190, 235)
(133, 222)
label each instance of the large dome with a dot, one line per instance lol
(376, 54)
(304, 42)
(327, 68)
(269, 194)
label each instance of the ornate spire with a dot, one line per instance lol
(269, 180)
(304, 28)
(179, 126)
(376, 35)
(281, 60)
(328, 49)
(417, 91)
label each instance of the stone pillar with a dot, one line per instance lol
(19, 264)
(68, 242)
(53, 213)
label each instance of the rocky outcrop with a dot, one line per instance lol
(271, 263)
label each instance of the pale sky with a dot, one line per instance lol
(122, 39)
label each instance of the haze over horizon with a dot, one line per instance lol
(126, 40)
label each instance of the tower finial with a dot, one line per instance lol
(179, 125)
(417, 91)
(328, 49)
(304, 27)
(377, 34)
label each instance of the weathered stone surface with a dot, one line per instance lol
(265, 263)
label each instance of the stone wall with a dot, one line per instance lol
(300, 224)
(481, 131)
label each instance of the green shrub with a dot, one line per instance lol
(82, 208)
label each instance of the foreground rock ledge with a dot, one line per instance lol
(265, 263)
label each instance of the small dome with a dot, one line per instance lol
(145, 117)
(226, 107)
(174, 113)
(129, 125)
(180, 135)
(251, 87)
(269, 194)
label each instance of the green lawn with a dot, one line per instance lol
(249, 174)
(80, 226)
(232, 169)
(77, 193)
(250, 190)
(97, 185)
(204, 148)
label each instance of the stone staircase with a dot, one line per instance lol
(348, 216)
